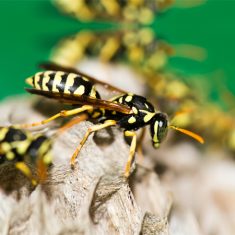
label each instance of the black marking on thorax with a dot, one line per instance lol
(139, 102)
(141, 108)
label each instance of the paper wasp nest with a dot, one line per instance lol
(95, 198)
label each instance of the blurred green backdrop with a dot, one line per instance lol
(30, 28)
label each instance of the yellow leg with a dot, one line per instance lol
(90, 130)
(63, 113)
(21, 166)
(132, 152)
(41, 171)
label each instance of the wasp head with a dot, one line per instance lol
(158, 128)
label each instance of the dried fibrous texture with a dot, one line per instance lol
(202, 185)
(93, 198)
(179, 189)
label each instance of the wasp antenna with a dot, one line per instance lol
(189, 133)
(188, 4)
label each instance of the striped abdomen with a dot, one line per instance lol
(68, 83)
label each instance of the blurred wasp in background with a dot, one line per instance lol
(141, 11)
(136, 11)
(138, 48)
(23, 148)
(192, 109)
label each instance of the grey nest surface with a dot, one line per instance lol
(93, 198)
(179, 189)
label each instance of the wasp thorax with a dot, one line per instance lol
(158, 128)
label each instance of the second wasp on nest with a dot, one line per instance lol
(128, 111)
(21, 147)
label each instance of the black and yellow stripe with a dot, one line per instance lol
(20, 146)
(62, 82)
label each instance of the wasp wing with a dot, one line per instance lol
(57, 67)
(82, 100)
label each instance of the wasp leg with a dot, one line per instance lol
(72, 122)
(41, 171)
(90, 130)
(132, 151)
(21, 166)
(63, 113)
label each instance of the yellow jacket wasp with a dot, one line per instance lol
(141, 11)
(20, 146)
(128, 111)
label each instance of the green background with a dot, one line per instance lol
(29, 29)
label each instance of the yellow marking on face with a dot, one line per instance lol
(148, 115)
(146, 105)
(80, 90)
(135, 110)
(10, 156)
(45, 80)
(128, 98)
(114, 112)
(3, 132)
(36, 79)
(69, 82)
(155, 139)
(132, 120)
(120, 100)
(57, 81)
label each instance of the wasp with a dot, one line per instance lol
(21, 147)
(128, 111)
(133, 11)
(138, 48)
(124, 10)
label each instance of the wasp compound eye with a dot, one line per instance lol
(158, 129)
